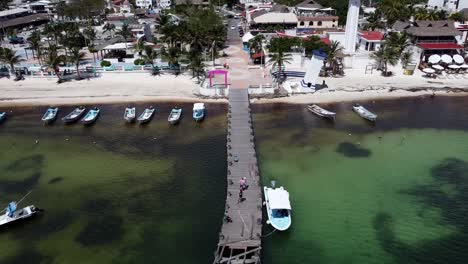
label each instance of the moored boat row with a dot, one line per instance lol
(358, 109)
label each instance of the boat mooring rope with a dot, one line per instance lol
(269, 234)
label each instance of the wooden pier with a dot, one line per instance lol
(240, 236)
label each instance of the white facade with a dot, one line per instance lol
(449, 5)
(352, 26)
(164, 4)
(143, 3)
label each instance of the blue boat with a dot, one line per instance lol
(3, 116)
(91, 116)
(198, 111)
(50, 115)
(278, 207)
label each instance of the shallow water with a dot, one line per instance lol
(113, 192)
(393, 192)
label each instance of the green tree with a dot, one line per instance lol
(313, 43)
(9, 57)
(109, 28)
(406, 58)
(394, 10)
(385, 55)
(398, 41)
(53, 60)
(374, 21)
(90, 34)
(197, 65)
(457, 16)
(332, 55)
(149, 57)
(76, 56)
(256, 44)
(125, 32)
(171, 55)
(35, 44)
(278, 61)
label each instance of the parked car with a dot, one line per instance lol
(16, 40)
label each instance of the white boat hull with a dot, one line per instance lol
(280, 219)
(24, 213)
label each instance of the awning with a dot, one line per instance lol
(279, 199)
(439, 46)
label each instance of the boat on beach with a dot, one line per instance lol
(198, 111)
(50, 115)
(130, 114)
(146, 116)
(278, 207)
(3, 116)
(364, 113)
(321, 112)
(74, 115)
(91, 116)
(174, 116)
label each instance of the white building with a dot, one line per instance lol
(144, 3)
(449, 5)
(164, 4)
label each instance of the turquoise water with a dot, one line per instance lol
(393, 192)
(112, 192)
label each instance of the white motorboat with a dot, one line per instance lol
(146, 116)
(364, 113)
(50, 115)
(278, 207)
(321, 112)
(198, 111)
(130, 114)
(12, 213)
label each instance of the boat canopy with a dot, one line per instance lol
(198, 106)
(279, 199)
(11, 209)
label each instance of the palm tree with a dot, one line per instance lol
(125, 32)
(149, 57)
(76, 56)
(385, 55)
(255, 44)
(398, 41)
(9, 57)
(332, 54)
(172, 56)
(374, 21)
(90, 34)
(53, 59)
(278, 60)
(457, 16)
(109, 28)
(197, 65)
(35, 43)
(406, 58)
(140, 46)
(394, 10)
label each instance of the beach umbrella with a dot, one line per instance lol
(437, 67)
(428, 70)
(464, 66)
(454, 67)
(458, 59)
(434, 59)
(446, 59)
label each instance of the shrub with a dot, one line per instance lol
(105, 63)
(139, 62)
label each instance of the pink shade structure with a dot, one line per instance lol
(212, 73)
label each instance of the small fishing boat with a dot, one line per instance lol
(12, 213)
(50, 115)
(198, 111)
(321, 112)
(3, 116)
(278, 207)
(91, 116)
(174, 116)
(74, 115)
(130, 114)
(146, 116)
(364, 113)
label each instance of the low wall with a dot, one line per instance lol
(214, 91)
(261, 89)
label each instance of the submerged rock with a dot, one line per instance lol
(351, 150)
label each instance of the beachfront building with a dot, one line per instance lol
(312, 16)
(273, 20)
(431, 37)
(370, 40)
(164, 4)
(19, 18)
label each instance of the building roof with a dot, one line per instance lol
(189, 2)
(372, 36)
(439, 46)
(309, 4)
(258, 13)
(279, 9)
(464, 11)
(426, 28)
(14, 11)
(24, 20)
(276, 18)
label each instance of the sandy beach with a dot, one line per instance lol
(140, 87)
